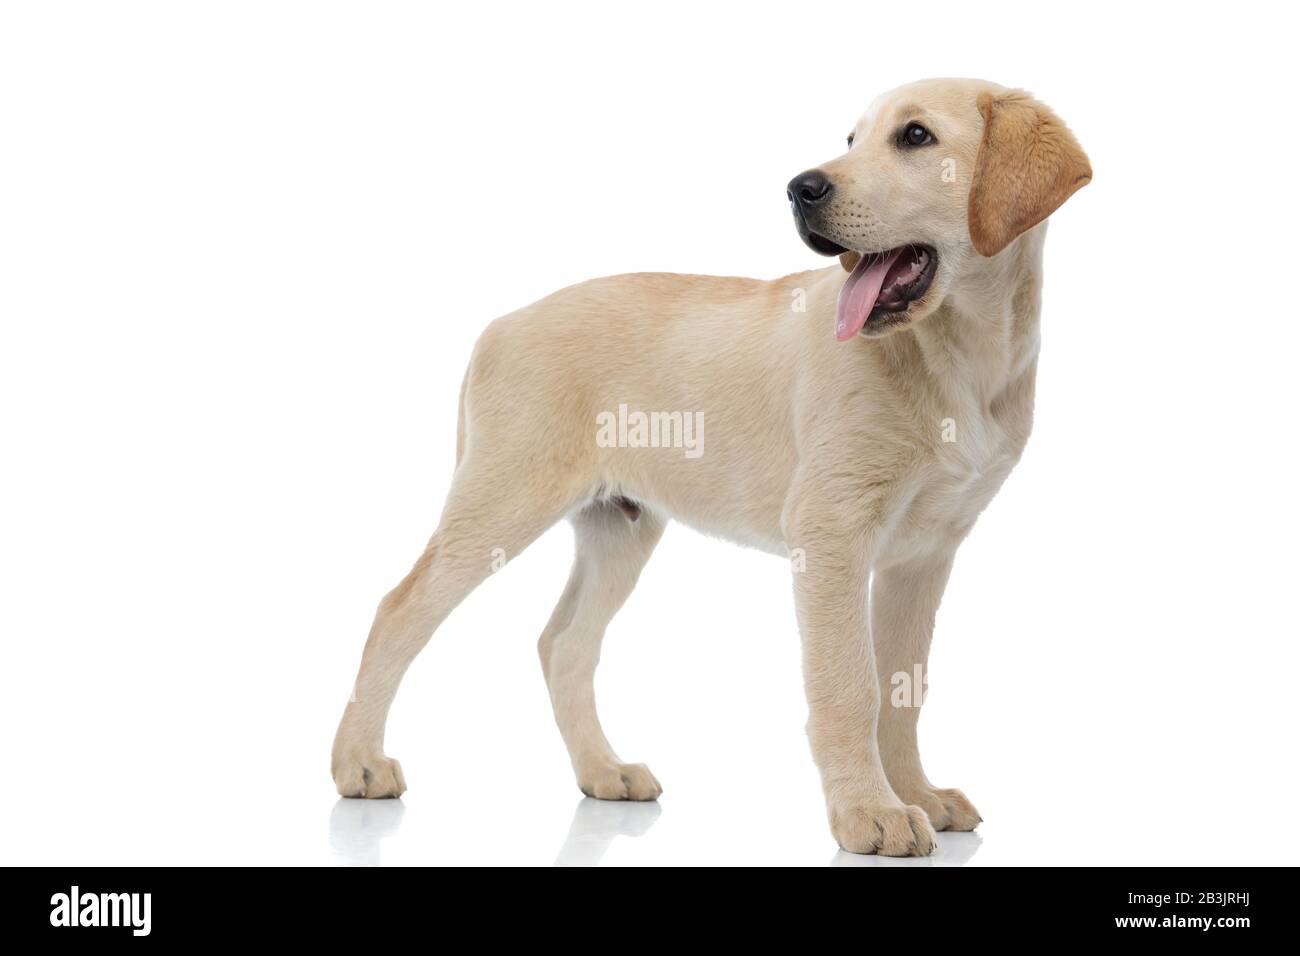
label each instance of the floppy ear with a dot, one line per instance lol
(1028, 164)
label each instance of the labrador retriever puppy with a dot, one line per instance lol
(858, 423)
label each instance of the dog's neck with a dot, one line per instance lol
(980, 347)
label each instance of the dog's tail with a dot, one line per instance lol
(460, 419)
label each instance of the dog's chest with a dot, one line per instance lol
(938, 503)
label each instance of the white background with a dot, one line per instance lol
(245, 249)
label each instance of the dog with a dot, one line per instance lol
(859, 416)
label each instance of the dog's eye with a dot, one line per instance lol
(914, 134)
(850, 140)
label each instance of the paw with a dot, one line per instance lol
(619, 781)
(947, 809)
(887, 829)
(372, 777)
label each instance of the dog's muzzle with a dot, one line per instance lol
(809, 193)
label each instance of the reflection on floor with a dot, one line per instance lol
(597, 822)
(358, 827)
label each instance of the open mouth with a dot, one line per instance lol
(882, 287)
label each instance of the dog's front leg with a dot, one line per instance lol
(830, 584)
(904, 600)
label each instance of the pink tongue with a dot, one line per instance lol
(859, 293)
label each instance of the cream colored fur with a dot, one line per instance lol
(834, 451)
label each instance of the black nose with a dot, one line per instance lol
(810, 188)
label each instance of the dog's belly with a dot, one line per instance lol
(736, 501)
(745, 537)
(762, 536)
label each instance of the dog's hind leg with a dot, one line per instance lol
(490, 515)
(614, 541)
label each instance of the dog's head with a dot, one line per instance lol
(937, 173)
